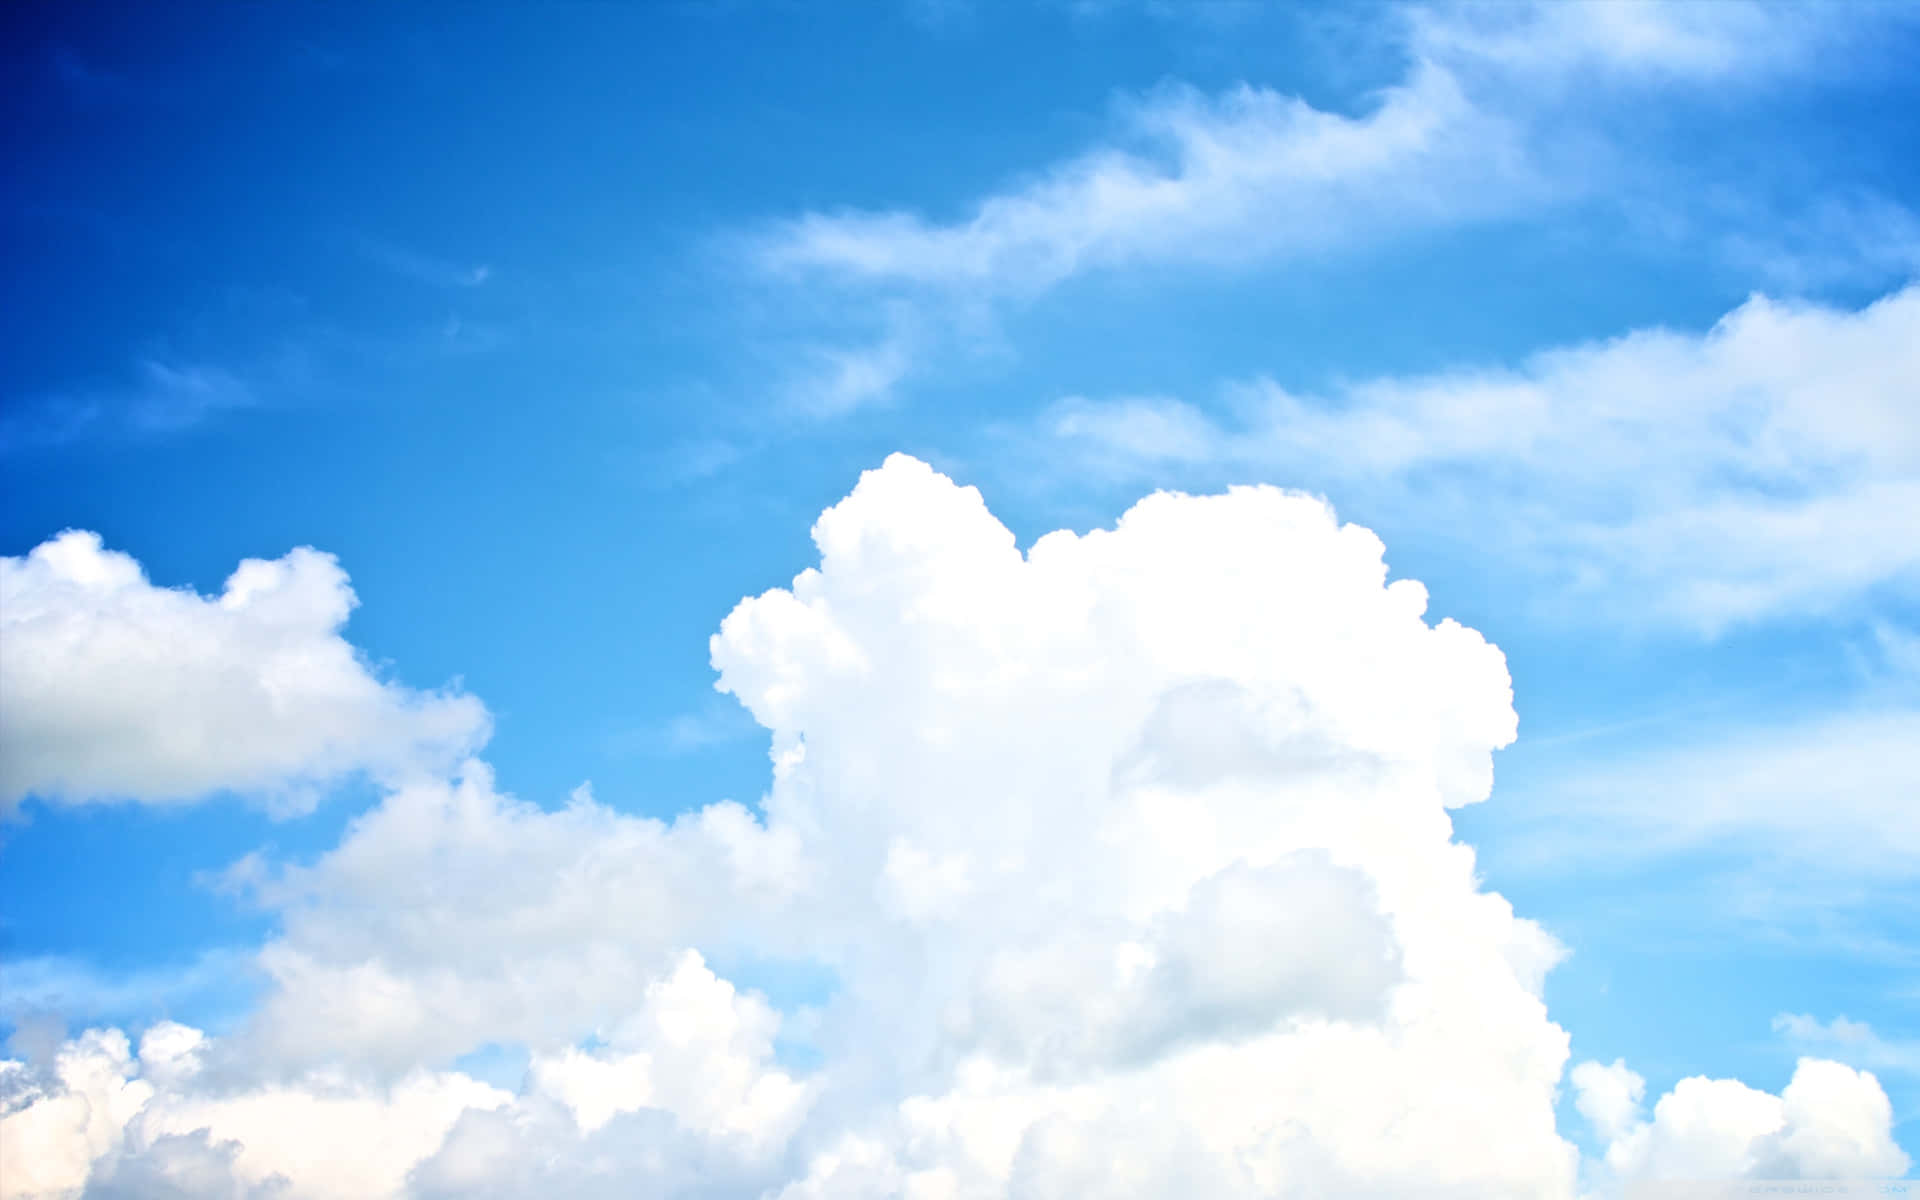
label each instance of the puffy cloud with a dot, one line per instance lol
(1762, 467)
(682, 1099)
(1130, 857)
(1200, 762)
(109, 1123)
(51, 1133)
(697, 1048)
(1829, 1122)
(1608, 1096)
(452, 916)
(682, 1095)
(112, 688)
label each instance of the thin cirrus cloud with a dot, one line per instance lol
(1815, 814)
(1131, 856)
(160, 397)
(423, 268)
(115, 689)
(1856, 1042)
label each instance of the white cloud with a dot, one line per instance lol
(1133, 735)
(50, 1135)
(1766, 466)
(1829, 1122)
(112, 688)
(1130, 856)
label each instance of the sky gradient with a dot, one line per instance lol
(955, 599)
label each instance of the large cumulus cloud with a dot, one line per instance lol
(1129, 858)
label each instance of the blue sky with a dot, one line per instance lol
(558, 329)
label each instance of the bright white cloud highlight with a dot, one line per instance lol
(1130, 856)
(112, 688)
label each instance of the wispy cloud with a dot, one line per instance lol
(1859, 237)
(1828, 793)
(1709, 43)
(1195, 178)
(1767, 466)
(174, 397)
(1502, 113)
(160, 396)
(424, 268)
(289, 359)
(70, 989)
(832, 381)
(1252, 171)
(1852, 1042)
(717, 721)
